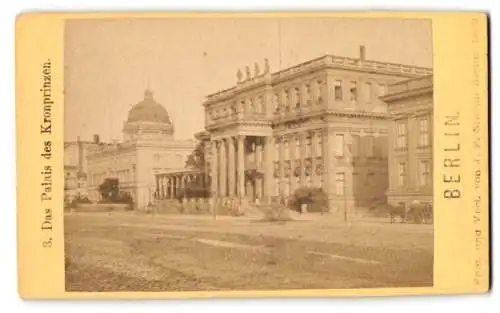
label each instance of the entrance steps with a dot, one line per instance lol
(251, 210)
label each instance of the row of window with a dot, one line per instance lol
(306, 95)
(424, 173)
(309, 144)
(423, 133)
(284, 186)
(359, 146)
(340, 183)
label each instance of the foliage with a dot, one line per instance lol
(109, 189)
(276, 213)
(193, 191)
(197, 158)
(111, 193)
(77, 200)
(315, 197)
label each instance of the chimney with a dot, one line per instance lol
(362, 53)
(97, 140)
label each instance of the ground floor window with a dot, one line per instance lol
(320, 181)
(401, 173)
(286, 189)
(424, 172)
(340, 179)
(308, 181)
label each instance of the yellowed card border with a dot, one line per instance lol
(461, 259)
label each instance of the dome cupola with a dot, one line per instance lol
(148, 110)
(148, 120)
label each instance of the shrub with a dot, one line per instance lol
(275, 213)
(78, 200)
(315, 197)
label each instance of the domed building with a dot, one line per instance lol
(148, 147)
(148, 120)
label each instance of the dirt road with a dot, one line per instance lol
(127, 252)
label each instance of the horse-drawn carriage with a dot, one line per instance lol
(416, 212)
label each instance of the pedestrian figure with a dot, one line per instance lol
(300, 203)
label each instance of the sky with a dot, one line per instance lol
(110, 62)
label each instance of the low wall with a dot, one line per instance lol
(187, 206)
(101, 207)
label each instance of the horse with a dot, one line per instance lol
(398, 210)
(392, 211)
(420, 212)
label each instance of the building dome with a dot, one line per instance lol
(148, 110)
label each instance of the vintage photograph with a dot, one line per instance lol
(248, 153)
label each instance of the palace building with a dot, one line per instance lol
(148, 147)
(410, 104)
(317, 124)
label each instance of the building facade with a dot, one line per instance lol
(317, 124)
(410, 104)
(76, 166)
(148, 147)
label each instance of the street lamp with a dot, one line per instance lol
(345, 200)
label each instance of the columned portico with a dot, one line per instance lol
(231, 172)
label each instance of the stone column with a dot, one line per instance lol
(231, 166)
(328, 166)
(241, 166)
(223, 169)
(164, 187)
(260, 167)
(268, 168)
(174, 186)
(391, 144)
(282, 165)
(159, 187)
(213, 170)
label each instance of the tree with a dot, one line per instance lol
(197, 158)
(109, 189)
(314, 197)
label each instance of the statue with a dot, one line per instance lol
(266, 66)
(249, 75)
(257, 70)
(239, 75)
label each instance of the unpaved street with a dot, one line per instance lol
(131, 252)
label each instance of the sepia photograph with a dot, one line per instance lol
(240, 153)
